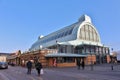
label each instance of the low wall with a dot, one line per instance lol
(66, 64)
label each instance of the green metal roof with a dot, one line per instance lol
(65, 55)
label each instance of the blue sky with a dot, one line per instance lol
(22, 21)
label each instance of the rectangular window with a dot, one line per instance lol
(83, 35)
(87, 35)
(65, 60)
(91, 37)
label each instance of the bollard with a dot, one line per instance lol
(112, 67)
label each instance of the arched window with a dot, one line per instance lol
(87, 32)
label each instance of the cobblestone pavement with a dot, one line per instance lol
(99, 72)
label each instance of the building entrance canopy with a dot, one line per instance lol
(79, 42)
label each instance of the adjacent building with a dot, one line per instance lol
(14, 58)
(3, 57)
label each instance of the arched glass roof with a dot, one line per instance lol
(82, 30)
(58, 35)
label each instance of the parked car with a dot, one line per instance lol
(3, 65)
(12, 64)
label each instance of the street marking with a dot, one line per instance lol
(32, 78)
(4, 76)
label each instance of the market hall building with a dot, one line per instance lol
(80, 40)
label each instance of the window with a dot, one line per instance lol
(65, 60)
(87, 35)
(87, 32)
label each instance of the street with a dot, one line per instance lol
(20, 73)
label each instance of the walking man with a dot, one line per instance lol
(78, 63)
(83, 64)
(29, 67)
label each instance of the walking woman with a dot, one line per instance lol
(38, 67)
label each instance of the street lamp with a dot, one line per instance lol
(57, 46)
(40, 47)
(83, 50)
(74, 49)
(103, 54)
(91, 58)
(112, 60)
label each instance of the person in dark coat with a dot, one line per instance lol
(83, 64)
(38, 67)
(78, 63)
(29, 67)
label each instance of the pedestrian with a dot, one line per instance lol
(29, 67)
(83, 64)
(78, 63)
(38, 67)
(54, 63)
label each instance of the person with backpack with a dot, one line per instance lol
(38, 67)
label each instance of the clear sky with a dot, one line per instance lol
(22, 21)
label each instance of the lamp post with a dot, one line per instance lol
(40, 47)
(99, 52)
(103, 54)
(57, 46)
(73, 49)
(91, 58)
(112, 60)
(83, 50)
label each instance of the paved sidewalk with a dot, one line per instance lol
(99, 72)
